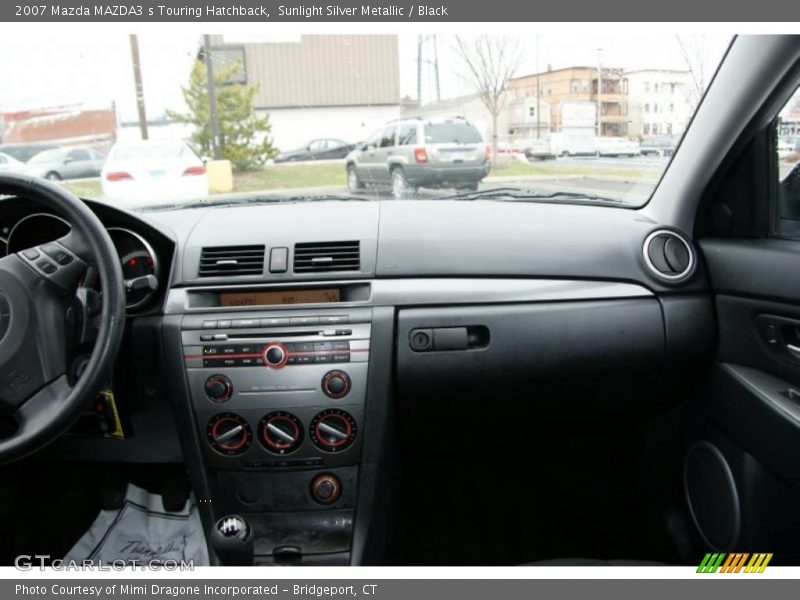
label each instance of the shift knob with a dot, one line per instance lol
(232, 539)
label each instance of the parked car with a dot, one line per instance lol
(785, 148)
(664, 146)
(573, 143)
(539, 149)
(9, 163)
(65, 163)
(322, 149)
(153, 171)
(617, 146)
(412, 153)
(24, 152)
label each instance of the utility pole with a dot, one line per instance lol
(538, 93)
(424, 63)
(436, 68)
(599, 95)
(212, 98)
(137, 78)
(419, 70)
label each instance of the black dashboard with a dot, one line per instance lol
(290, 350)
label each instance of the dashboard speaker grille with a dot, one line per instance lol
(228, 261)
(320, 257)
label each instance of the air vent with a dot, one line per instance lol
(669, 255)
(229, 261)
(320, 257)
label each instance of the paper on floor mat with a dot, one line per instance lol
(143, 532)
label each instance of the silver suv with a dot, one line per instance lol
(412, 153)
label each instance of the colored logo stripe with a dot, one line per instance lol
(734, 562)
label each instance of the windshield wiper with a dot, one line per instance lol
(250, 200)
(517, 194)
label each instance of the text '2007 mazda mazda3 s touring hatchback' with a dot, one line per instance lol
(438, 350)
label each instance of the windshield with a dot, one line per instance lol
(585, 119)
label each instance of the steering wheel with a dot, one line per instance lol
(46, 381)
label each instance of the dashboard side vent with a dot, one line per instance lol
(320, 257)
(669, 255)
(229, 261)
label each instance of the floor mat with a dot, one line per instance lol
(142, 532)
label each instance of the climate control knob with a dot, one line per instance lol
(336, 384)
(326, 488)
(281, 432)
(219, 388)
(333, 430)
(229, 434)
(275, 355)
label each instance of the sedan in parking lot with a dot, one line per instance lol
(153, 172)
(658, 146)
(65, 163)
(322, 149)
(539, 149)
(9, 163)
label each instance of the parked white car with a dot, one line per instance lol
(9, 163)
(153, 172)
(617, 146)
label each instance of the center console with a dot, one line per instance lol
(278, 398)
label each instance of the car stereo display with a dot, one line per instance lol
(272, 298)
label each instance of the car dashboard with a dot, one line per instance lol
(292, 353)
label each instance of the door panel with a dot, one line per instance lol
(748, 409)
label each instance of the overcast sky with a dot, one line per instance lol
(56, 70)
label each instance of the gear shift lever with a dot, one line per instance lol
(232, 539)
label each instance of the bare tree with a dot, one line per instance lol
(694, 53)
(490, 61)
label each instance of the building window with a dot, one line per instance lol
(669, 128)
(585, 85)
(647, 86)
(531, 111)
(655, 88)
(672, 108)
(647, 107)
(655, 108)
(646, 129)
(671, 88)
(655, 128)
(574, 86)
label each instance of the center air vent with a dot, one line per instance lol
(317, 257)
(669, 255)
(228, 261)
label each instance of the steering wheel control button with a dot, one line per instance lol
(229, 434)
(219, 388)
(281, 432)
(31, 254)
(278, 260)
(333, 430)
(275, 355)
(326, 488)
(336, 384)
(46, 266)
(57, 253)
